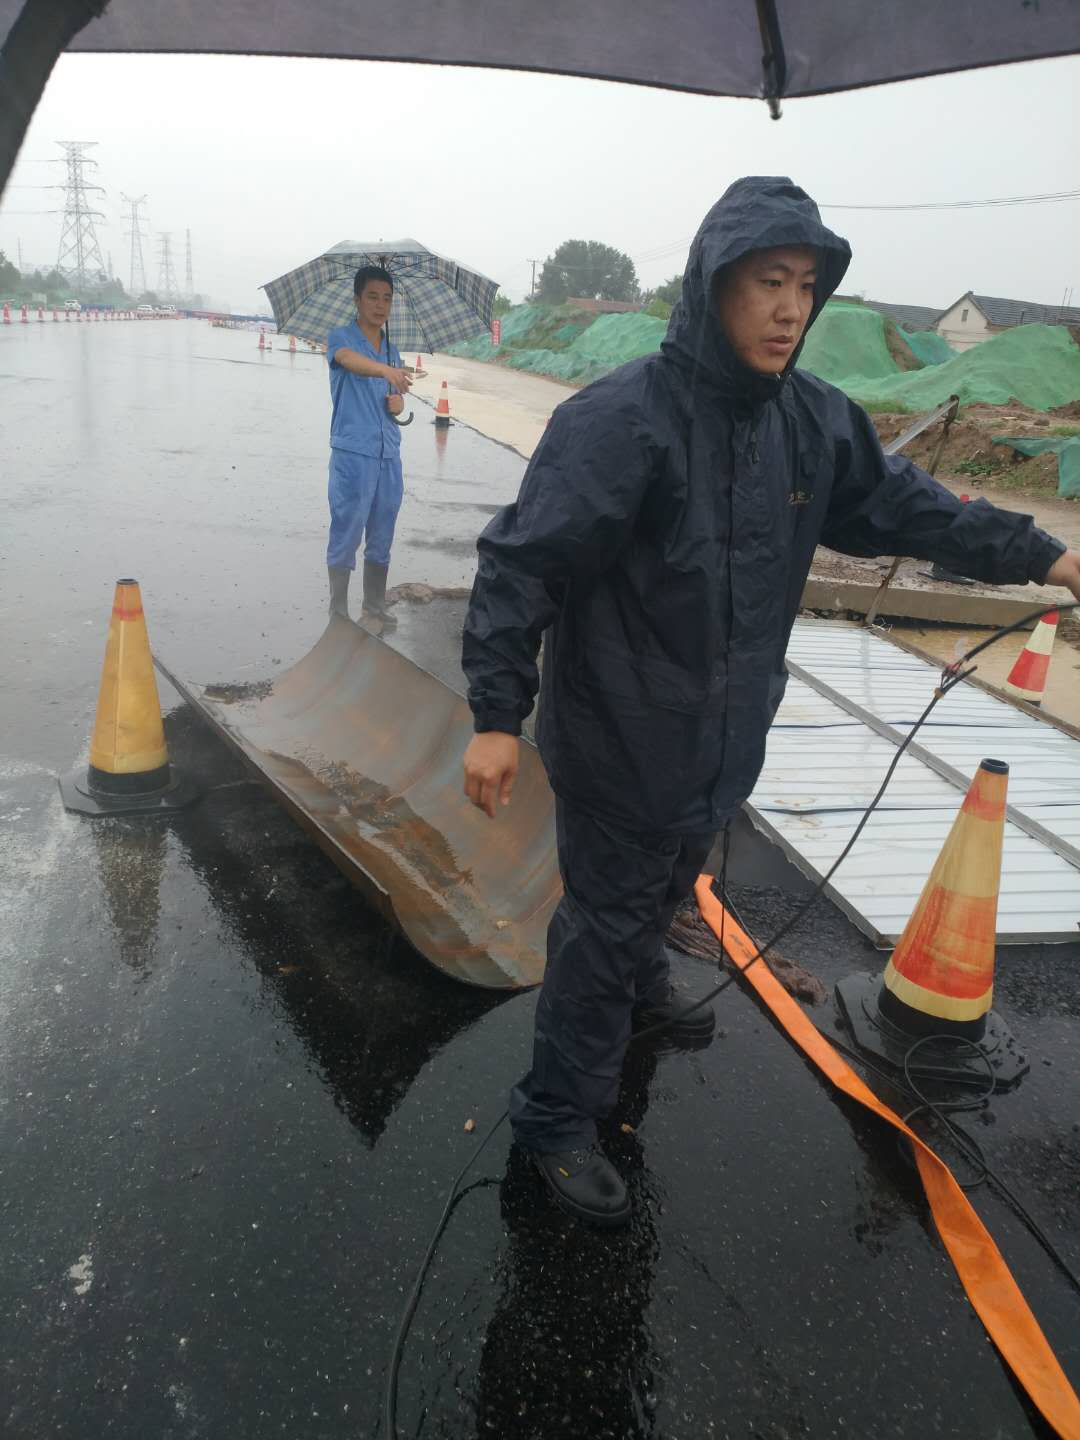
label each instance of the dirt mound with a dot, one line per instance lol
(896, 343)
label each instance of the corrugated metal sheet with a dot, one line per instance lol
(824, 764)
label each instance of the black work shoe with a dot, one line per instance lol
(693, 1030)
(586, 1185)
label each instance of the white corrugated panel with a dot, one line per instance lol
(824, 765)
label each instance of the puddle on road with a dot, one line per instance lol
(946, 644)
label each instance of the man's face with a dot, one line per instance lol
(373, 304)
(763, 302)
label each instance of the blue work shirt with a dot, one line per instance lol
(360, 421)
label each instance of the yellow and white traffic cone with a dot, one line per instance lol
(938, 985)
(1027, 678)
(129, 770)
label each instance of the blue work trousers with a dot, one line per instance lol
(365, 497)
(605, 952)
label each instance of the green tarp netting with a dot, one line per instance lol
(847, 341)
(1038, 365)
(929, 347)
(851, 346)
(1065, 447)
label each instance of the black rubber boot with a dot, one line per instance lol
(692, 1032)
(375, 594)
(339, 589)
(586, 1185)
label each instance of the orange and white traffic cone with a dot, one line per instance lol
(442, 409)
(129, 768)
(7, 313)
(419, 366)
(262, 339)
(23, 317)
(292, 344)
(1027, 678)
(938, 985)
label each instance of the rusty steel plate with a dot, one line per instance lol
(364, 748)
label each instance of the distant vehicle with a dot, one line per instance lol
(167, 309)
(145, 310)
(72, 305)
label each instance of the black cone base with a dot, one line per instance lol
(857, 996)
(80, 797)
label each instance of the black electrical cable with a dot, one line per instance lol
(951, 676)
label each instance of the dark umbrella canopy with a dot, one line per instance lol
(765, 48)
(437, 302)
(711, 46)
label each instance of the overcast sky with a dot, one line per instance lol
(271, 161)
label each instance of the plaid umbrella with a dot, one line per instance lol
(436, 302)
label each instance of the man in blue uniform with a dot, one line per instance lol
(367, 384)
(662, 538)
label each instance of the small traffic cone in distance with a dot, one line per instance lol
(1027, 678)
(442, 409)
(129, 770)
(938, 985)
(262, 339)
(292, 344)
(7, 313)
(22, 317)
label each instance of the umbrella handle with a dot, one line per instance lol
(409, 418)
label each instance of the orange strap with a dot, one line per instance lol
(990, 1287)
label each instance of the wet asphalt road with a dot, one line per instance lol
(231, 1102)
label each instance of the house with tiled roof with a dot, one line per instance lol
(908, 317)
(974, 318)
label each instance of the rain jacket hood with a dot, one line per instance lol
(759, 212)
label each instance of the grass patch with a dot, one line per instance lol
(978, 467)
(882, 407)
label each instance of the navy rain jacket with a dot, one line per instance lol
(662, 538)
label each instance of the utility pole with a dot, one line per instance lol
(166, 279)
(534, 264)
(80, 254)
(189, 283)
(137, 273)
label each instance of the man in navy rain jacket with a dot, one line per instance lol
(661, 540)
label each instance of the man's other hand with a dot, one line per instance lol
(395, 404)
(400, 379)
(1066, 571)
(491, 766)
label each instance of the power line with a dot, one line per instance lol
(1054, 197)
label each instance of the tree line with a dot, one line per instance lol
(19, 285)
(591, 270)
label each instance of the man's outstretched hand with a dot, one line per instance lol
(1066, 571)
(491, 766)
